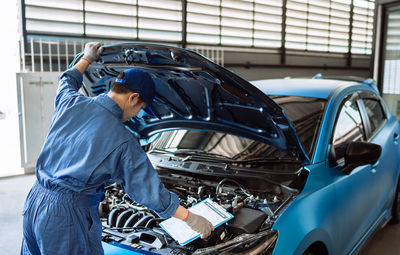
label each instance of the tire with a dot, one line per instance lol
(317, 248)
(396, 206)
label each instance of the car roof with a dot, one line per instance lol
(319, 88)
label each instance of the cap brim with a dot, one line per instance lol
(150, 111)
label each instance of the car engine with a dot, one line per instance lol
(129, 223)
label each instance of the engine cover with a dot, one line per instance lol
(246, 220)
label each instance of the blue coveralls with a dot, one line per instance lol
(87, 145)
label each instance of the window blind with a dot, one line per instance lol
(318, 25)
(311, 25)
(54, 17)
(393, 36)
(232, 22)
(127, 19)
(391, 72)
(362, 27)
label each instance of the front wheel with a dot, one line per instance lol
(396, 206)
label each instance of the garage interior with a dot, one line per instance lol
(255, 39)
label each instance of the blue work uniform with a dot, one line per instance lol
(87, 145)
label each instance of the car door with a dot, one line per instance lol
(379, 131)
(355, 197)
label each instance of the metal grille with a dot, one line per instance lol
(55, 56)
(51, 56)
(215, 54)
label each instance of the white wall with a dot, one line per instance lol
(9, 136)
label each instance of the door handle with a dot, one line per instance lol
(396, 137)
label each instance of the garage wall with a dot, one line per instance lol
(271, 72)
(290, 37)
(263, 65)
(52, 54)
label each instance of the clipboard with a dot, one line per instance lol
(207, 208)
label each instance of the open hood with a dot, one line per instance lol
(193, 92)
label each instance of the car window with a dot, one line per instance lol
(375, 113)
(217, 145)
(223, 144)
(305, 113)
(348, 128)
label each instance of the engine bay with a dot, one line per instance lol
(129, 223)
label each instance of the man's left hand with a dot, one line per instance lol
(199, 224)
(92, 51)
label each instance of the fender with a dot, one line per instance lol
(317, 200)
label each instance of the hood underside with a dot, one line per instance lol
(193, 92)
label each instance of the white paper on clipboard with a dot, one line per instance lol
(207, 208)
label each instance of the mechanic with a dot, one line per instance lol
(87, 145)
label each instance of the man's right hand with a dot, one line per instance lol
(92, 51)
(199, 224)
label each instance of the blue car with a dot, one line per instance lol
(305, 166)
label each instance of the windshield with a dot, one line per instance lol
(304, 113)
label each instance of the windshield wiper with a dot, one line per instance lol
(190, 152)
(198, 152)
(156, 150)
(193, 154)
(200, 155)
(268, 160)
(254, 161)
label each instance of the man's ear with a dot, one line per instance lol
(133, 97)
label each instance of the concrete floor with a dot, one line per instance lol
(13, 191)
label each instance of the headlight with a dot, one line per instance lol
(246, 244)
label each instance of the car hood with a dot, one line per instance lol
(193, 92)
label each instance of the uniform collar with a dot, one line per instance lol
(110, 105)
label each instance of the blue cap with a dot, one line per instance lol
(140, 82)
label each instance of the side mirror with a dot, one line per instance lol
(359, 154)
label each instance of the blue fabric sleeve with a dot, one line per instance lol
(141, 181)
(70, 83)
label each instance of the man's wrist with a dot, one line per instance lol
(181, 213)
(82, 65)
(85, 59)
(187, 215)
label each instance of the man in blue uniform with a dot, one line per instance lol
(87, 145)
